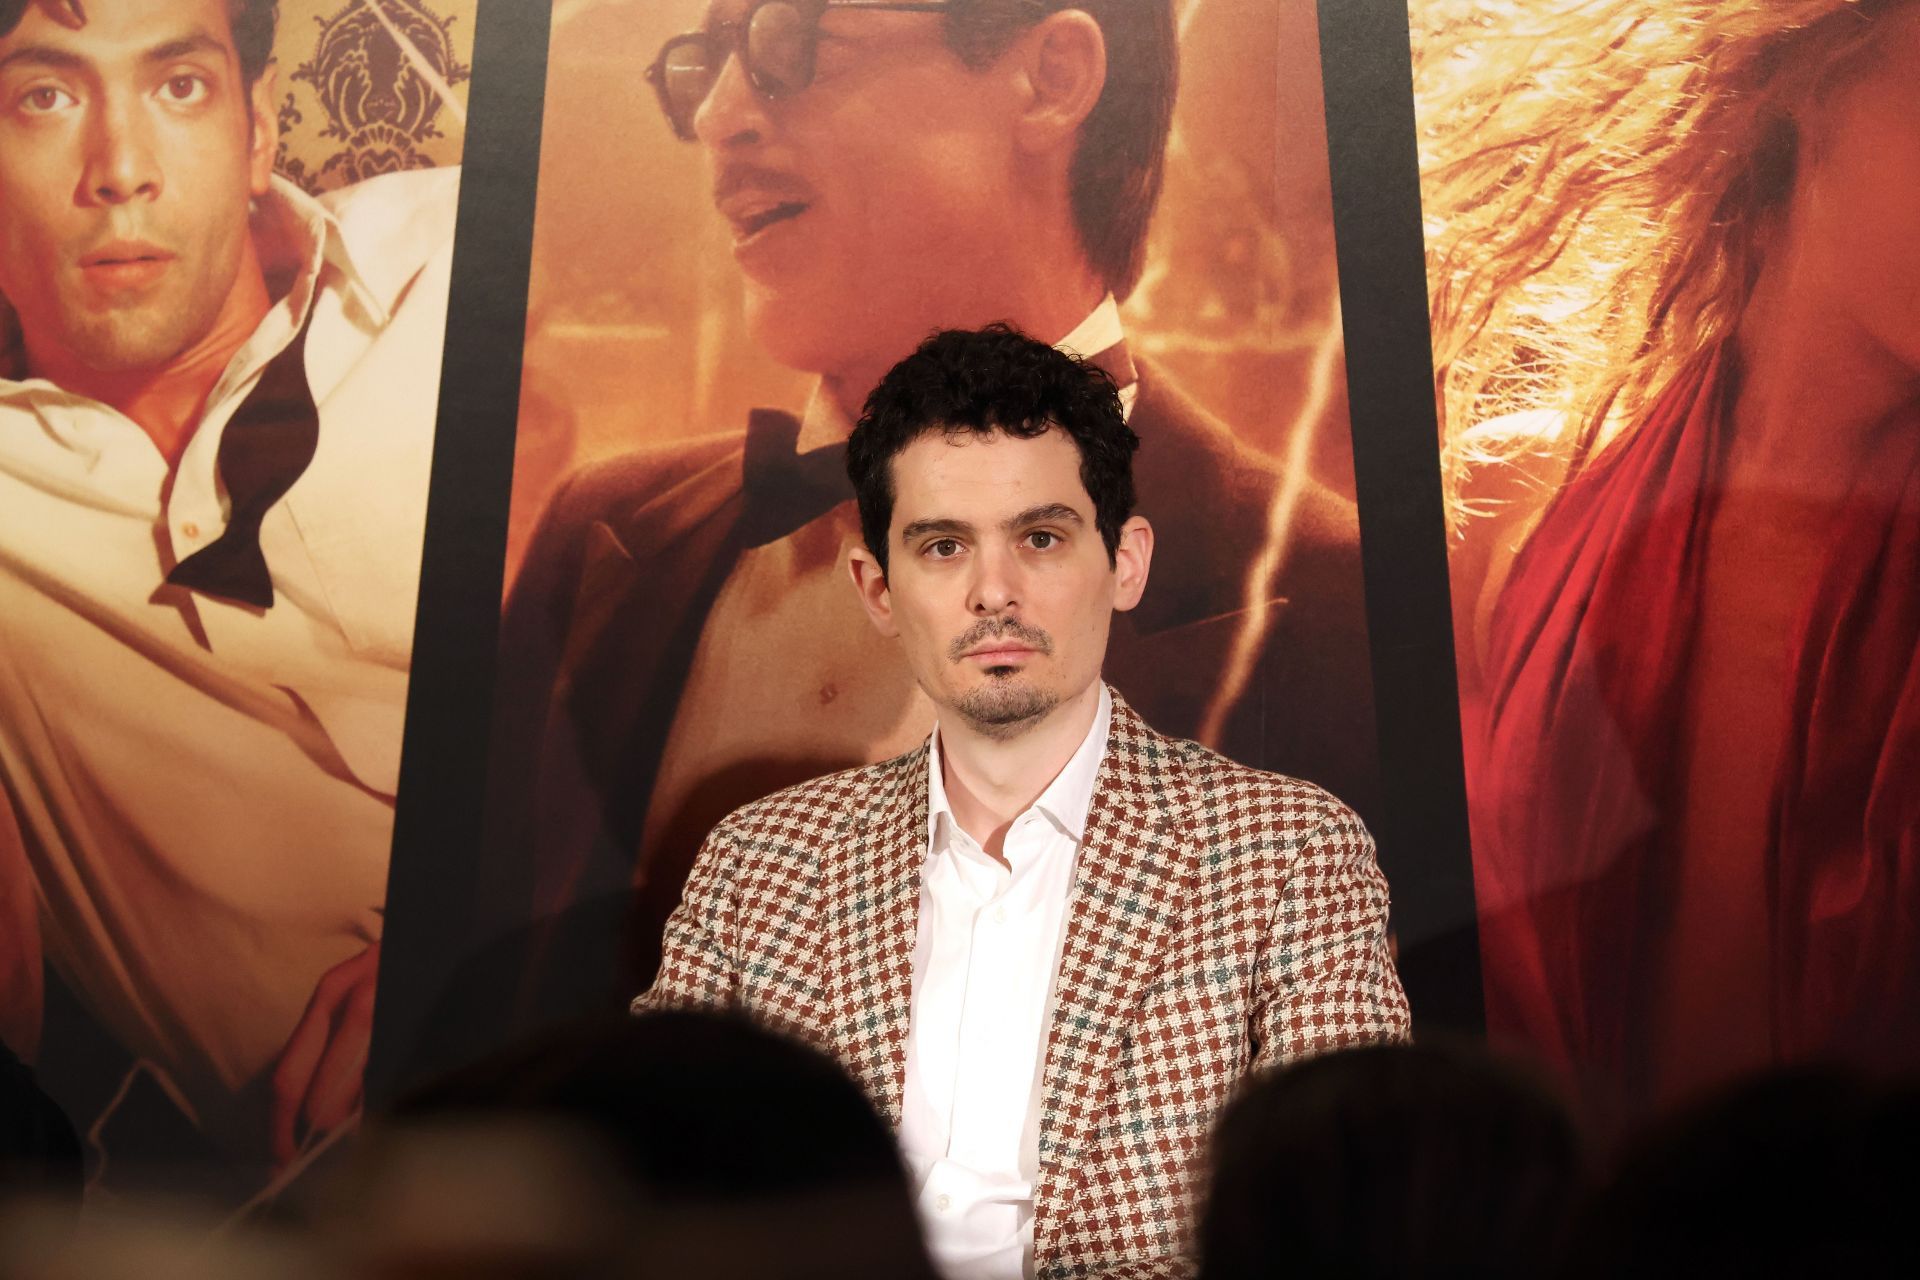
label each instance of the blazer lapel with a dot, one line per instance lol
(1135, 871)
(871, 897)
(645, 582)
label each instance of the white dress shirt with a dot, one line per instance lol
(984, 962)
(205, 790)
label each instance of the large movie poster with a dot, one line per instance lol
(225, 242)
(747, 212)
(1675, 288)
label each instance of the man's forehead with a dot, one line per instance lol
(102, 29)
(992, 469)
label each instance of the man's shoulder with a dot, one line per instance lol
(797, 816)
(412, 204)
(397, 228)
(1210, 492)
(1233, 799)
(608, 488)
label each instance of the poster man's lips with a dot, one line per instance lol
(751, 219)
(752, 198)
(123, 252)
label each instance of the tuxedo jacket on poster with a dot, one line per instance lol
(606, 614)
(1221, 920)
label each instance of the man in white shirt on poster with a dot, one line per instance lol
(217, 399)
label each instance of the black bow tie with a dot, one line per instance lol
(784, 489)
(266, 447)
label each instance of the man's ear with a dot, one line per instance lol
(1132, 558)
(1063, 59)
(870, 581)
(263, 146)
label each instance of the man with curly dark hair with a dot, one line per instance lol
(1049, 942)
(679, 641)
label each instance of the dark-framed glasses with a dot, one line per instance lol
(775, 40)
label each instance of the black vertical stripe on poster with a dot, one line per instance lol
(443, 765)
(1367, 62)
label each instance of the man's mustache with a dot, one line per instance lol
(999, 629)
(736, 177)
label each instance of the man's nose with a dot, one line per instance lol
(733, 112)
(121, 161)
(995, 588)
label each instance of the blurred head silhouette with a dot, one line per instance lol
(1391, 1161)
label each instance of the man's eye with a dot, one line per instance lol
(1042, 539)
(943, 548)
(184, 89)
(45, 98)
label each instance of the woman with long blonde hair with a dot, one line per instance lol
(1674, 267)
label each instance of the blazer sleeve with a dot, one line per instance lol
(699, 962)
(1326, 978)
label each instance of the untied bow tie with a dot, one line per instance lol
(266, 447)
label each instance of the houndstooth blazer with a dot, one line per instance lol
(1221, 920)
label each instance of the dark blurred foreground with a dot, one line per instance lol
(685, 1144)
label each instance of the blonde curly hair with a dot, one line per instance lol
(1597, 178)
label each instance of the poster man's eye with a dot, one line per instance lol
(44, 99)
(185, 89)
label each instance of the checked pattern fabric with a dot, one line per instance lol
(1222, 920)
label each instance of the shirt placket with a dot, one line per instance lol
(985, 1133)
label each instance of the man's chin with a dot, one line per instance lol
(1005, 707)
(127, 344)
(797, 328)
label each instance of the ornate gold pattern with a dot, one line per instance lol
(356, 102)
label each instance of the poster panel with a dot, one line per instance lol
(225, 242)
(712, 295)
(1675, 296)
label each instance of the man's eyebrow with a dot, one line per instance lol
(43, 55)
(947, 526)
(1046, 513)
(196, 42)
(940, 524)
(57, 59)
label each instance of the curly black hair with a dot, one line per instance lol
(253, 23)
(987, 380)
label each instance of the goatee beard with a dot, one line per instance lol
(1006, 708)
(1008, 705)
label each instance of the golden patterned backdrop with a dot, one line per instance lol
(371, 86)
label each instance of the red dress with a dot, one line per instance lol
(1571, 756)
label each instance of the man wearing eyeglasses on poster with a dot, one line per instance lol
(680, 640)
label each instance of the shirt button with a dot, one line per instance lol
(944, 1203)
(999, 915)
(189, 530)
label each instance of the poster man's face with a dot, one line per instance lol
(129, 151)
(864, 208)
(998, 584)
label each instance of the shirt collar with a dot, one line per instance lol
(297, 239)
(1100, 330)
(1066, 801)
